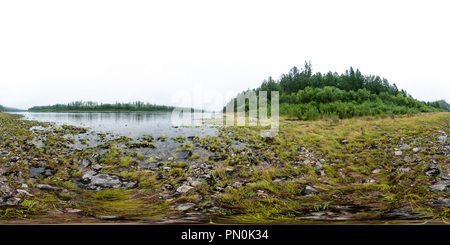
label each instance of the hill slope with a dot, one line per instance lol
(310, 96)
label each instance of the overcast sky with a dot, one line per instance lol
(106, 51)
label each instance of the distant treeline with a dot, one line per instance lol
(9, 109)
(95, 106)
(310, 96)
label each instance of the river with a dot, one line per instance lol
(132, 124)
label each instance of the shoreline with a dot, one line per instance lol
(352, 171)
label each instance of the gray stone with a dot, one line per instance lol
(217, 158)
(167, 187)
(99, 181)
(309, 191)
(375, 171)
(85, 163)
(5, 153)
(237, 184)
(46, 187)
(9, 201)
(195, 183)
(398, 153)
(205, 176)
(214, 209)
(415, 150)
(432, 172)
(14, 159)
(110, 217)
(184, 188)
(403, 170)
(37, 171)
(185, 206)
(405, 213)
(97, 167)
(440, 187)
(278, 181)
(318, 165)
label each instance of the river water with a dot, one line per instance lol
(132, 124)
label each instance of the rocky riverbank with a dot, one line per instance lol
(353, 170)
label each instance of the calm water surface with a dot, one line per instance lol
(133, 124)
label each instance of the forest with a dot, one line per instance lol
(95, 106)
(308, 96)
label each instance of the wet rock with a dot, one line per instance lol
(151, 165)
(185, 206)
(184, 154)
(405, 213)
(133, 145)
(309, 191)
(98, 181)
(37, 171)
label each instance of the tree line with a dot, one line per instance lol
(95, 106)
(310, 96)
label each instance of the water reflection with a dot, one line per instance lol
(133, 124)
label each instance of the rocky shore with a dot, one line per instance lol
(361, 169)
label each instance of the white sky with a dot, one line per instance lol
(106, 51)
